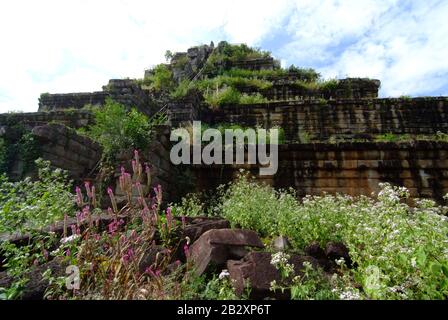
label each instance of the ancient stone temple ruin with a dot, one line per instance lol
(331, 132)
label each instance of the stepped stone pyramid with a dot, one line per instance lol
(332, 132)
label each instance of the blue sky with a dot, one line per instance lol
(62, 46)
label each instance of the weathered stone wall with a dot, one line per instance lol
(73, 119)
(130, 94)
(52, 102)
(67, 150)
(321, 120)
(255, 64)
(286, 88)
(350, 168)
(185, 111)
(124, 91)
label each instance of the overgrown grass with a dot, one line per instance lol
(303, 74)
(392, 137)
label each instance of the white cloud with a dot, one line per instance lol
(404, 44)
(67, 46)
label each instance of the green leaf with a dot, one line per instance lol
(421, 257)
(436, 268)
(445, 270)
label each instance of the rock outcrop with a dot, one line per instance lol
(215, 247)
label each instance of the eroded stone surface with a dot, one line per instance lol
(215, 247)
(256, 269)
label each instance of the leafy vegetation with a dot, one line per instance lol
(161, 78)
(118, 129)
(391, 137)
(219, 97)
(18, 143)
(400, 248)
(27, 204)
(302, 74)
(399, 252)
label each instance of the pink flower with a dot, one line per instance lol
(186, 250)
(78, 196)
(112, 199)
(75, 229)
(158, 192)
(169, 218)
(129, 255)
(134, 166)
(87, 186)
(113, 227)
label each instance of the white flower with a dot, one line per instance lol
(350, 295)
(414, 262)
(224, 274)
(279, 258)
(70, 239)
(340, 261)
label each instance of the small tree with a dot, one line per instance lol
(168, 56)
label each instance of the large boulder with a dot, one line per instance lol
(198, 226)
(337, 250)
(215, 247)
(257, 271)
(281, 244)
(315, 250)
(37, 285)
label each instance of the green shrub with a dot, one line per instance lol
(329, 85)
(400, 251)
(31, 204)
(161, 79)
(241, 51)
(260, 74)
(305, 74)
(387, 137)
(21, 144)
(190, 206)
(181, 62)
(117, 129)
(260, 211)
(252, 99)
(227, 95)
(232, 81)
(182, 89)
